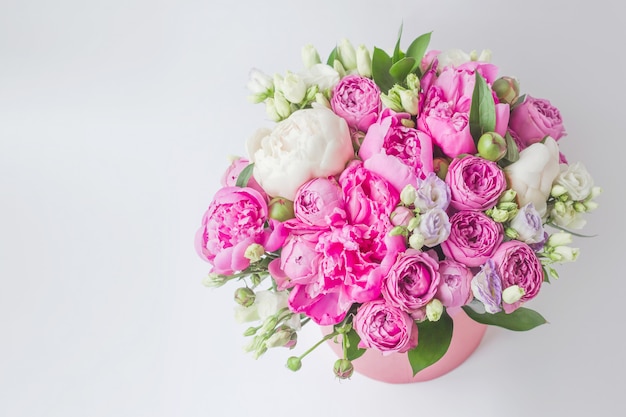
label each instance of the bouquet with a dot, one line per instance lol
(393, 191)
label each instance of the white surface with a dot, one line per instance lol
(116, 119)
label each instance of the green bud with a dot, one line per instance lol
(408, 195)
(310, 56)
(214, 280)
(344, 328)
(507, 206)
(507, 89)
(413, 82)
(270, 109)
(557, 190)
(590, 205)
(294, 363)
(337, 66)
(512, 294)
(281, 209)
(347, 55)
(280, 338)
(343, 368)
(434, 310)
(440, 167)
(244, 296)
(416, 241)
(398, 231)
(491, 146)
(579, 207)
(511, 233)
(392, 100)
(259, 352)
(508, 196)
(363, 61)
(413, 224)
(283, 108)
(255, 279)
(269, 325)
(254, 252)
(409, 101)
(408, 123)
(311, 93)
(250, 331)
(499, 215)
(559, 239)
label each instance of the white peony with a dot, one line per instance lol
(531, 176)
(311, 143)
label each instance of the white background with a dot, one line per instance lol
(116, 120)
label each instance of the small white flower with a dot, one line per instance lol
(512, 294)
(576, 180)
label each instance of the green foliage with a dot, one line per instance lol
(522, 319)
(482, 117)
(433, 342)
(244, 176)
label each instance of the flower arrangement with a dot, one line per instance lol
(393, 192)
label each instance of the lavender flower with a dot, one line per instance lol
(487, 287)
(432, 192)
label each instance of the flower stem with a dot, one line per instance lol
(322, 340)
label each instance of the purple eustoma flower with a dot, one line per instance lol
(487, 287)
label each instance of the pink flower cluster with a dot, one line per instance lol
(416, 219)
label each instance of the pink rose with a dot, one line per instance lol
(357, 100)
(385, 327)
(319, 202)
(388, 135)
(455, 285)
(447, 106)
(535, 119)
(411, 281)
(517, 264)
(299, 260)
(234, 220)
(475, 183)
(474, 237)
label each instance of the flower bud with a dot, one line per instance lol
(434, 310)
(557, 191)
(559, 239)
(254, 252)
(268, 325)
(244, 296)
(259, 351)
(310, 56)
(413, 82)
(512, 294)
(270, 109)
(408, 195)
(322, 100)
(347, 55)
(363, 61)
(214, 280)
(508, 196)
(590, 205)
(507, 89)
(259, 83)
(401, 216)
(294, 363)
(413, 224)
(343, 368)
(293, 88)
(338, 66)
(579, 207)
(280, 338)
(392, 100)
(250, 331)
(491, 146)
(511, 233)
(440, 167)
(564, 254)
(283, 108)
(498, 215)
(398, 231)
(409, 101)
(416, 241)
(595, 192)
(281, 209)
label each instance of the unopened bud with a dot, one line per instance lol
(559, 239)
(512, 294)
(508, 196)
(254, 252)
(244, 296)
(347, 55)
(434, 310)
(507, 89)
(281, 209)
(408, 195)
(511, 233)
(343, 368)
(440, 167)
(294, 363)
(214, 280)
(557, 190)
(363, 61)
(416, 241)
(491, 146)
(310, 56)
(413, 224)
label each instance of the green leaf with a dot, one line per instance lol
(519, 101)
(353, 351)
(482, 116)
(332, 57)
(418, 47)
(244, 176)
(401, 69)
(522, 319)
(397, 53)
(433, 342)
(381, 63)
(512, 152)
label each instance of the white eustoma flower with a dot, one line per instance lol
(531, 176)
(311, 143)
(310, 56)
(576, 180)
(293, 87)
(322, 75)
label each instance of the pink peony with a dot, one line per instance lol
(357, 100)
(535, 119)
(411, 281)
(229, 178)
(388, 135)
(517, 264)
(474, 237)
(385, 327)
(234, 220)
(319, 202)
(447, 106)
(475, 183)
(455, 285)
